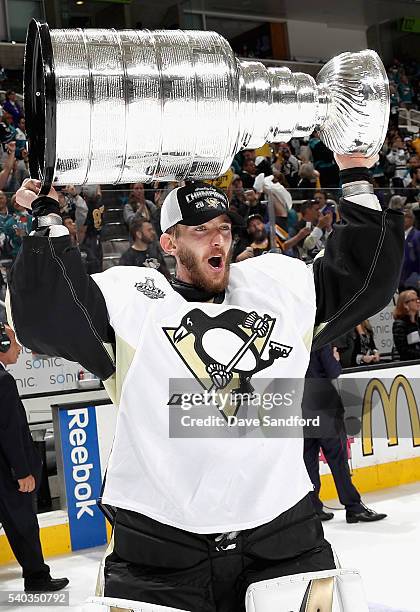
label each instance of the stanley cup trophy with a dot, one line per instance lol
(107, 106)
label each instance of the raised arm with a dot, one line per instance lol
(358, 272)
(55, 307)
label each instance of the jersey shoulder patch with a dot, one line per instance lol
(131, 288)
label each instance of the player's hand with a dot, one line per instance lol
(27, 485)
(29, 191)
(355, 160)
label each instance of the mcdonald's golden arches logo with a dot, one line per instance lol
(390, 406)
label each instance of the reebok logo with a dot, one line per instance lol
(79, 457)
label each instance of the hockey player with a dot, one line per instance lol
(199, 520)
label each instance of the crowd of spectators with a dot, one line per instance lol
(404, 79)
(286, 194)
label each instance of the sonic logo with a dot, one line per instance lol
(225, 351)
(389, 404)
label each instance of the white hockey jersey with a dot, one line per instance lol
(201, 484)
(262, 330)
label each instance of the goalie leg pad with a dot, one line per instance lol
(113, 604)
(337, 590)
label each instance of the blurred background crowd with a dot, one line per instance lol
(297, 181)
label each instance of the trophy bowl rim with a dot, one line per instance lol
(40, 103)
(372, 56)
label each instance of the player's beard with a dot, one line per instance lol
(198, 276)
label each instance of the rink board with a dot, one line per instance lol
(56, 527)
(379, 458)
(386, 451)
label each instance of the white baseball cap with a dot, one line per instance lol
(195, 204)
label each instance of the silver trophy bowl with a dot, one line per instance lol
(107, 106)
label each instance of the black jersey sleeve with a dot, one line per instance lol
(359, 270)
(56, 308)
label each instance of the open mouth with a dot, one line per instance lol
(216, 262)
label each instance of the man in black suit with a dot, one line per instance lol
(322, 398)
(20, 472)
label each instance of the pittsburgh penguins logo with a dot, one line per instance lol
(213, 203)
(225, 351)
